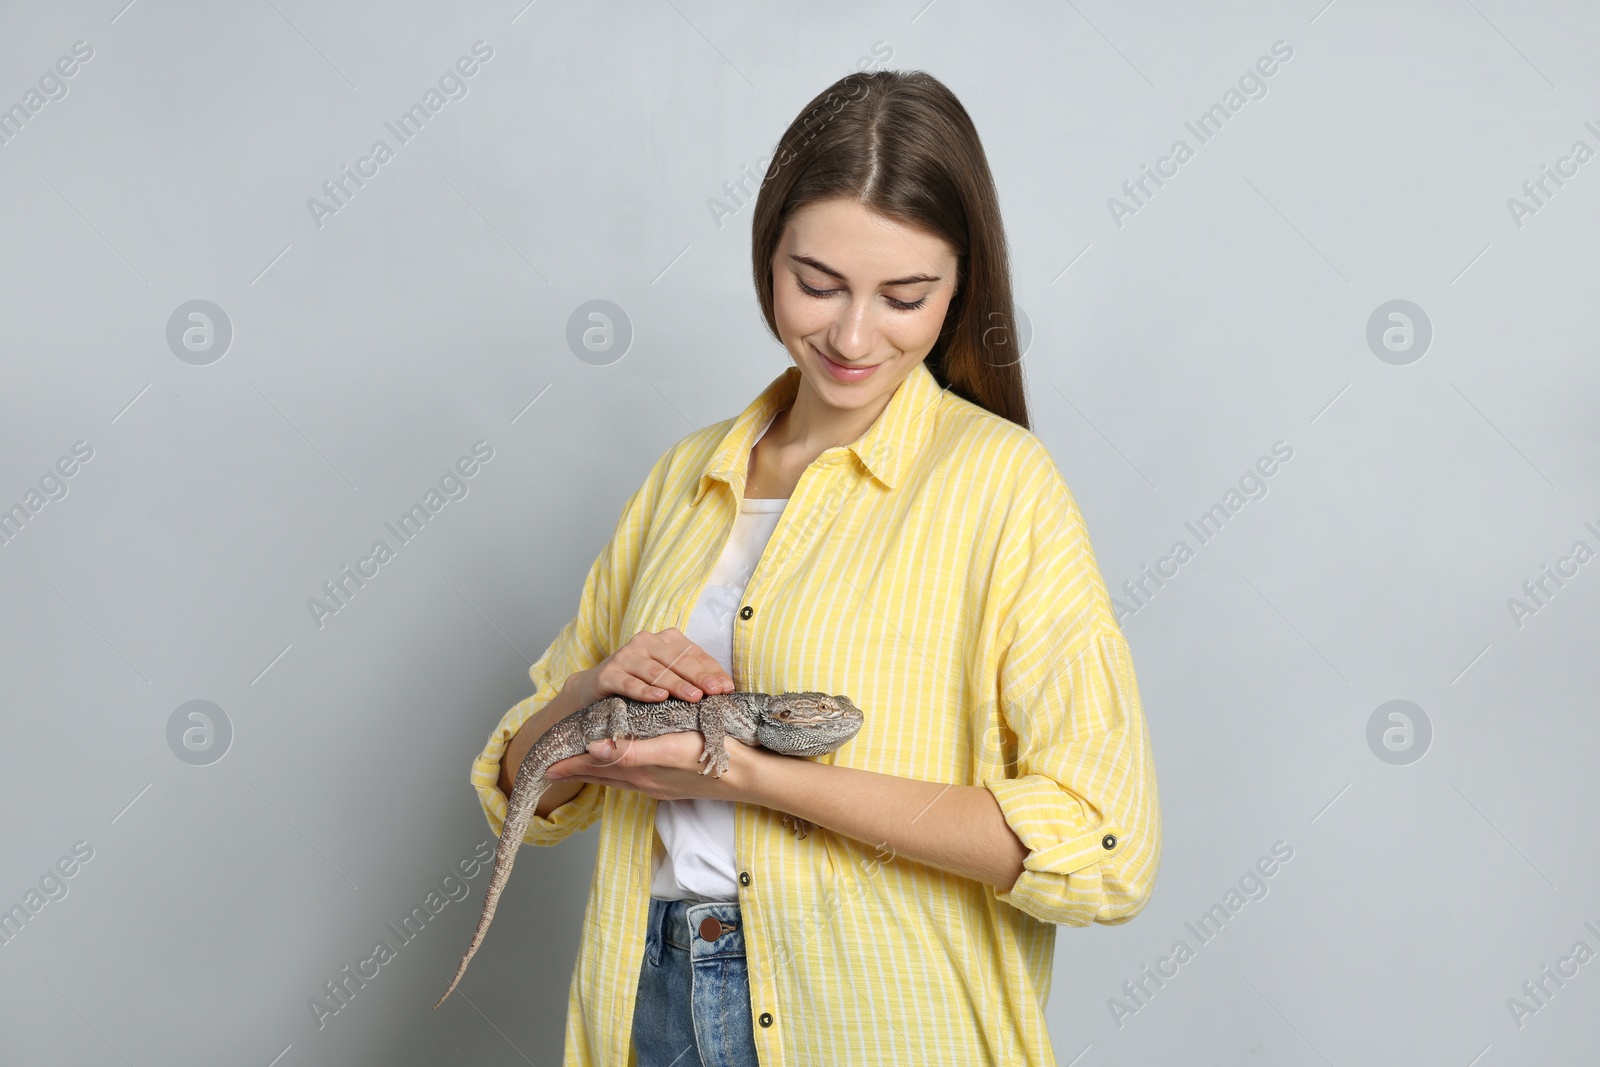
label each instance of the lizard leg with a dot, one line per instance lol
(616, 713)
(714, 728)
(797, 824)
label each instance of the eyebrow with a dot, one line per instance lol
(910, 279)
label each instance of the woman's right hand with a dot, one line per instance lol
(654, 666)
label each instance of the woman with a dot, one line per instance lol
(888, 529)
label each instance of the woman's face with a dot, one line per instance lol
(859, 299)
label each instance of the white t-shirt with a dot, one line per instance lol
(692, 857)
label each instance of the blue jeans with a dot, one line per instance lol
(693, 1008)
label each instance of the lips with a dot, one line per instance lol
(844, 372)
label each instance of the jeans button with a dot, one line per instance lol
(712, 928)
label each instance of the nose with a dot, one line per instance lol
(853, 336)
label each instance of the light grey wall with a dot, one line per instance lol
(1175, 342)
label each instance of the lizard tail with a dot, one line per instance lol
(518, 815)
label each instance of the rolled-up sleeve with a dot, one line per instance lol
(588, 637)
(576, 814)
(1079, 788)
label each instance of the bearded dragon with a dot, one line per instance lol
(793, 724)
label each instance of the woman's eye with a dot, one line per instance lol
(899, 305)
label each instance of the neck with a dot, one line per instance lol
(810, 425)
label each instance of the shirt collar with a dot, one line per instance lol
(886, 449)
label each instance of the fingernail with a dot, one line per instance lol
(692, 691)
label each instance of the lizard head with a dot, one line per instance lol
(807, 724)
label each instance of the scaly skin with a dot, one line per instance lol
(794, 724)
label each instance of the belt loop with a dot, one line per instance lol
(652, 934)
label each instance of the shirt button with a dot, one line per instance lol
(744, 877)
(1109, 842)
(766, 1018)
(746, 611)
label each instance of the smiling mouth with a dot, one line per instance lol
(844, 366)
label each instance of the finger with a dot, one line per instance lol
(703, 667)
(695, 664)
(621, 783)
(600, 758)
(604, 753)
(658, 672)
(677, 749)
(711, 676)
(570, 767)
(632, 672)
(632, 680)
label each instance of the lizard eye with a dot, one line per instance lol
(783, 714)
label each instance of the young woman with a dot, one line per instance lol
(879, 523)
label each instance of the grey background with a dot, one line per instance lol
(1168, 354)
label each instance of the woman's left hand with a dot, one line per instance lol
(668, 767)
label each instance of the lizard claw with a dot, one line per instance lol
(719, 760)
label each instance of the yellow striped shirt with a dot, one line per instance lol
(938, 573)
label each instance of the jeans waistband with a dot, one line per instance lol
(682, 924)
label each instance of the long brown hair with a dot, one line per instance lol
(900, 144)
